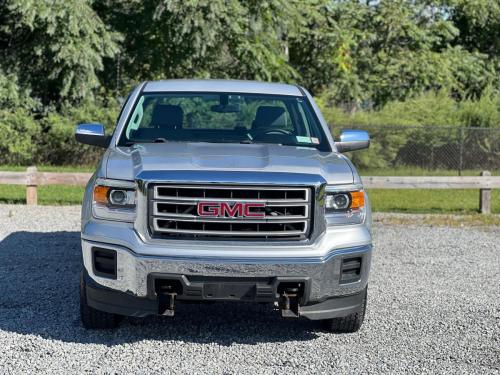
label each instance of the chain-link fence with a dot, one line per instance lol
(430, 148)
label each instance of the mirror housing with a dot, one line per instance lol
(92, 134)
(352, 140)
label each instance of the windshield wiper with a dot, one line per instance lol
(134, 142)
(298, 145)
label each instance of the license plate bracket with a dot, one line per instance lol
(229, 291)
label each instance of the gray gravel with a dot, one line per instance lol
(433, 308)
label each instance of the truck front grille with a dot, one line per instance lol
(230, 211)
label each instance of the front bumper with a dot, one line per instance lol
(318, 266)
(319, 261)
(116, 302)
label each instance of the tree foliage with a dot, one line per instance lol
(17, 131)
(205, 38)
(54, 48)
(356, 53)
(60, 59)
(375, 52)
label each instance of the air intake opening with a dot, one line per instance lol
(104, 262)
(350, 271)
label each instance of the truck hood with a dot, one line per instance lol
(126, 163)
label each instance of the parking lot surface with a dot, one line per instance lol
(434, 307)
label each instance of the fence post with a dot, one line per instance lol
(31, 192)
(461, 148)
(485, 197)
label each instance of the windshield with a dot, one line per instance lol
(223, 118)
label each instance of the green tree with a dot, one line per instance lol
(203, 38)
(54, 48)
(378, 51)
(479, 24)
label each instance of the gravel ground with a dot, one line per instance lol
(433, 308)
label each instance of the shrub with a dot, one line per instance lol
(483, 113)
(433, 109)
(59, 146)
(18, 130)
(398, 138)
(437, 109)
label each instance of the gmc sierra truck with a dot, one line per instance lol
(219, 190)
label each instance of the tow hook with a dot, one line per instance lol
(166, 300)
(289, 302)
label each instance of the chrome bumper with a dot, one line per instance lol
(319, 262)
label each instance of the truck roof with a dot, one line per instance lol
(216, 85)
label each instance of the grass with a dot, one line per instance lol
(47, 195)
(455, 201)
(49, 168)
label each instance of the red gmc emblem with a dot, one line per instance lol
(224, 209)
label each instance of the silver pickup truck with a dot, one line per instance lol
(224, 191)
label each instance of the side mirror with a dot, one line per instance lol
(92, 134)
(351, 140)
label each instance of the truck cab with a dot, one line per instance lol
(221, 191)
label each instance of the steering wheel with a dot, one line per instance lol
(274, 131)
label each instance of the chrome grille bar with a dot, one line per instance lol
(173, 211)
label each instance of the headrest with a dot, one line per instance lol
(269, 116)
(167, 117)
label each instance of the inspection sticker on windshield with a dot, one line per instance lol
(301, 139)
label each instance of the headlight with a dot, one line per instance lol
(344, 201)
(114, 197)
(344, 205)
(114, 200)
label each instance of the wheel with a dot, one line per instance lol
(92, 318)
(350, 323)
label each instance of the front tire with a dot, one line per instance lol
(92, 318)
(350, 323)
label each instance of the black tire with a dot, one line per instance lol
(92, 318)
(350, 323)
